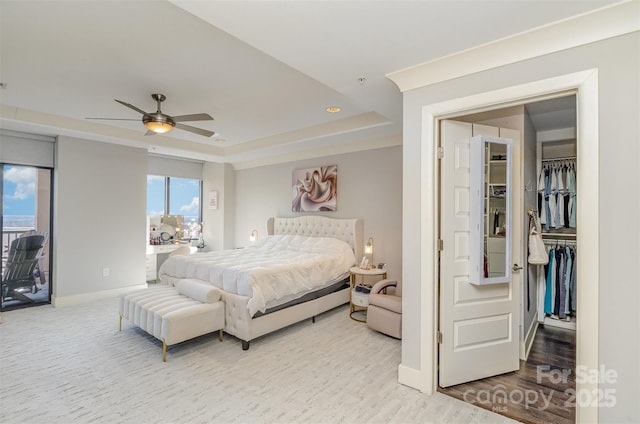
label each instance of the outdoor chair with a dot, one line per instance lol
(19, 273)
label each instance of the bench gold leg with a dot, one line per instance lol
(164, 351)
(220, 334)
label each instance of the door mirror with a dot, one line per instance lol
(490, 210)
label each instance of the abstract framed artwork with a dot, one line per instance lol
(315, 189)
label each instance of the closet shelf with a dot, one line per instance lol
(569, 325)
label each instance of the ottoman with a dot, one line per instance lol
(175, 314)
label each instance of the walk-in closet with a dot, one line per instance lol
(556, 210)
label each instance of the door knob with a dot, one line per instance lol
(516, 268)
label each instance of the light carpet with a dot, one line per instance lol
(72, 365)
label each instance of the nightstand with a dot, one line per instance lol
(359, 301)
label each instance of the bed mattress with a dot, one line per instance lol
(277, 269)
(332, 287)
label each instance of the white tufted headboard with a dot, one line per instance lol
(348, 230)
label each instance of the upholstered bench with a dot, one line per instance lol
(175, 314)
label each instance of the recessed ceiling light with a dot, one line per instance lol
(333, 109)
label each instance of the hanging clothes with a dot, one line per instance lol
(560, 284)
(542, 210)
(560, 197)
(557, 194)
(549, 285)
(572, 197)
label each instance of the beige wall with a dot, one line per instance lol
(100, 210)
(369, 187)
(99, 218)
(218, 224)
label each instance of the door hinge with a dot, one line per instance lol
(440, 152)
(439, 337)
(440, 245)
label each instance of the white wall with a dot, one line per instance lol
(618, 63)
(369, 187)
(99, 218)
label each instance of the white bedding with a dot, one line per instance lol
(276, 267)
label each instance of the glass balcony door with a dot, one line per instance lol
(26, 236)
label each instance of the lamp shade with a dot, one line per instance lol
(158, 122)
(368, 248)
(254, 235)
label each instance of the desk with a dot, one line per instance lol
(358, 301)
(157, 254)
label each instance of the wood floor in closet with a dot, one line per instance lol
(538, 392)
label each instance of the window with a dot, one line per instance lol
(156, 195)
(174, 196)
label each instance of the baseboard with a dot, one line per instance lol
(78, 299)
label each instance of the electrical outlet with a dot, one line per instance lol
(105, 272)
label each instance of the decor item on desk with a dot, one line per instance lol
(173, 223)
(315, 189)
(254, 236)
(537, 253)
(193, 230)
(201, 244)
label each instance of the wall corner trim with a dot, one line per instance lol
(413, 378)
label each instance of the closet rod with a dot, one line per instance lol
(559, 159)
(559, 242)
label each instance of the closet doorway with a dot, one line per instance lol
(543, 389)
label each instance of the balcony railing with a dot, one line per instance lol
(9, 234)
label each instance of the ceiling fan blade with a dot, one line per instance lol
(194, 117)
(130, 106)
(149, 132)
(195, 130)
(115, 119)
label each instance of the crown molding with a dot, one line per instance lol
(608, 22)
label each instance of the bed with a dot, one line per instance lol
(299, 271)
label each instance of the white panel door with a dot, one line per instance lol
(479, 323)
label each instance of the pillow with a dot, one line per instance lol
(196, 290)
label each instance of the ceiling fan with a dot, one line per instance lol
(161, 123)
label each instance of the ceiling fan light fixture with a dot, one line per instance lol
(158, 122)
(158, 127)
